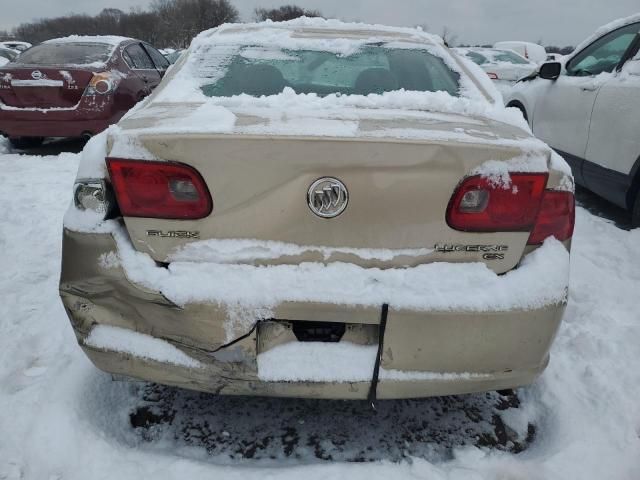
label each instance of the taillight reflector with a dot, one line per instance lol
(556, 217)
(480, 205)
(159, 189)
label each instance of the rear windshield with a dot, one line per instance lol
(66, 54)
(507, 56)
(261, 71)
(477, 58)
(495, 56)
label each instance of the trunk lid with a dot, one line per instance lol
(33, 87)
(399, 190)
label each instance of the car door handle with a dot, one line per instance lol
(589, 88)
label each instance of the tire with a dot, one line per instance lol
(26, 142)
(635, 212)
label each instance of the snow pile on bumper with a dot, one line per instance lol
(541, 280)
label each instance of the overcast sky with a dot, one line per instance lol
(558, 22)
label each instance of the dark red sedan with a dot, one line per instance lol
(75, 86)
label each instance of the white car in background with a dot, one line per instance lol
(504, 67)
(588, 109)
(16, 45)
(531, 51)
(7, 55)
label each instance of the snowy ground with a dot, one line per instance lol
(60, 418)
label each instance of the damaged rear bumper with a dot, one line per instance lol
(432, 353)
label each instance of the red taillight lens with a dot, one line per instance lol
(479, 205)
(556, 217)
(493, 76)
(159, 189)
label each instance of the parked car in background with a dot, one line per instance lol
(531, 51)
(16, 45)
(504, 67)
(174, 56)
(75, 86)
(554, 57)
(7, 55)
(588, 109)
(286, 200)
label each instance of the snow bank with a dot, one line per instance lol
(107, 337)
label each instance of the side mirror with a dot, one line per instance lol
(550, 70)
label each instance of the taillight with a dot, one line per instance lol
(492, 76)
(100, 84)
(556, 217)
(159, 189)
(481, 205)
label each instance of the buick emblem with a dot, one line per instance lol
(328, 197)
(36, 74)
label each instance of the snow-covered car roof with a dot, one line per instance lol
(107, 43)
(344, 32)
(104, 39)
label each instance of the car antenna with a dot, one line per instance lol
(373, 389)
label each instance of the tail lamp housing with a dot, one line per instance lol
(523, 205)
(100, 84)
(152, 189)
(556, 217)
(93, 194)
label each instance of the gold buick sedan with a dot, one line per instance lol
(319, 209)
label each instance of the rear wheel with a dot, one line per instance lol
(635, 212)
(26, 142)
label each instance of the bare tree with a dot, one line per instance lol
(448, 37)
(169, 23)
(284, 13)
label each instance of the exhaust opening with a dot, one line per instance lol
(327, 332)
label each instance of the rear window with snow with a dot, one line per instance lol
(66, 54)
(495, 56)
(509, 57)
(377, 69)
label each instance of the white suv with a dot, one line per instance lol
(589, 111)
